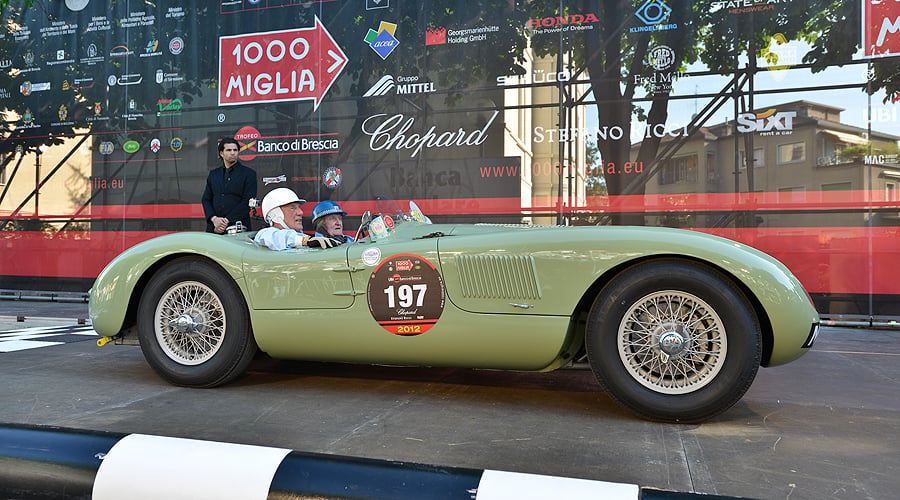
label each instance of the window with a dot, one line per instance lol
(795, 194)
(791, 153)
(759, 159)
(837, 186)
(680, 170)
(890, 191)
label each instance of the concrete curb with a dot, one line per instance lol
(53, 462)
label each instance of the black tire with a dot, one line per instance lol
(673, 341)
(193, 325)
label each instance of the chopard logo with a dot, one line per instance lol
(388, 133)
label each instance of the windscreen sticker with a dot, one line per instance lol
(406, 294)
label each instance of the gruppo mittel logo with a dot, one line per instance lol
(383, 41)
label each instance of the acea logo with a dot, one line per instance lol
(383, 41)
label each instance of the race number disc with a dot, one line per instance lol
(406, 294)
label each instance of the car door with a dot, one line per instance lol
(399, 282)
(301, 278)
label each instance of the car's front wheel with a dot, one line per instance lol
(193, 325)
(673, 341)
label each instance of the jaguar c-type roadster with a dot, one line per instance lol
(673, 323)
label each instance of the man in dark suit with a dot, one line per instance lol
(228, 190)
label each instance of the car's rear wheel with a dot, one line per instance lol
(673, 341)
(193, 325)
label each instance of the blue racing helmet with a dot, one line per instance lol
(324, 208)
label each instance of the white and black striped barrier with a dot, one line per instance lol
(51, 462)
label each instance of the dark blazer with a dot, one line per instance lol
(227, 194)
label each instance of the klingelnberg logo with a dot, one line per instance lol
(653, 13)
(383, 41)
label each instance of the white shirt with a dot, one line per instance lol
(278, 239)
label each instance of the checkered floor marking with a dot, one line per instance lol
(33, 338)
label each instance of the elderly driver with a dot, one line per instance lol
(328, 219)
(281, 208)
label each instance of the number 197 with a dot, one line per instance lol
(404, 295)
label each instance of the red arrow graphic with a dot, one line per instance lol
(290, 65)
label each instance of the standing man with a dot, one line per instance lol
(228, 190)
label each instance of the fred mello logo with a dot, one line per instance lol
(661, 57)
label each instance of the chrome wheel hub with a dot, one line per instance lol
(672, 342)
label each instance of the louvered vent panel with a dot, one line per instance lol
(498, 277)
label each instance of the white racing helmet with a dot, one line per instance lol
(274, 200)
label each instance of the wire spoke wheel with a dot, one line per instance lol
(672, 342)
(185, 333)
(190, 323)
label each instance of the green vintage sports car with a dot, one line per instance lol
(674, 323)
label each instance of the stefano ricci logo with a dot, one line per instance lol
(404, 85)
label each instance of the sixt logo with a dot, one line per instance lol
(383, 41)
(767, 121)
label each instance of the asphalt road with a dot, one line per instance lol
(825, 426)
